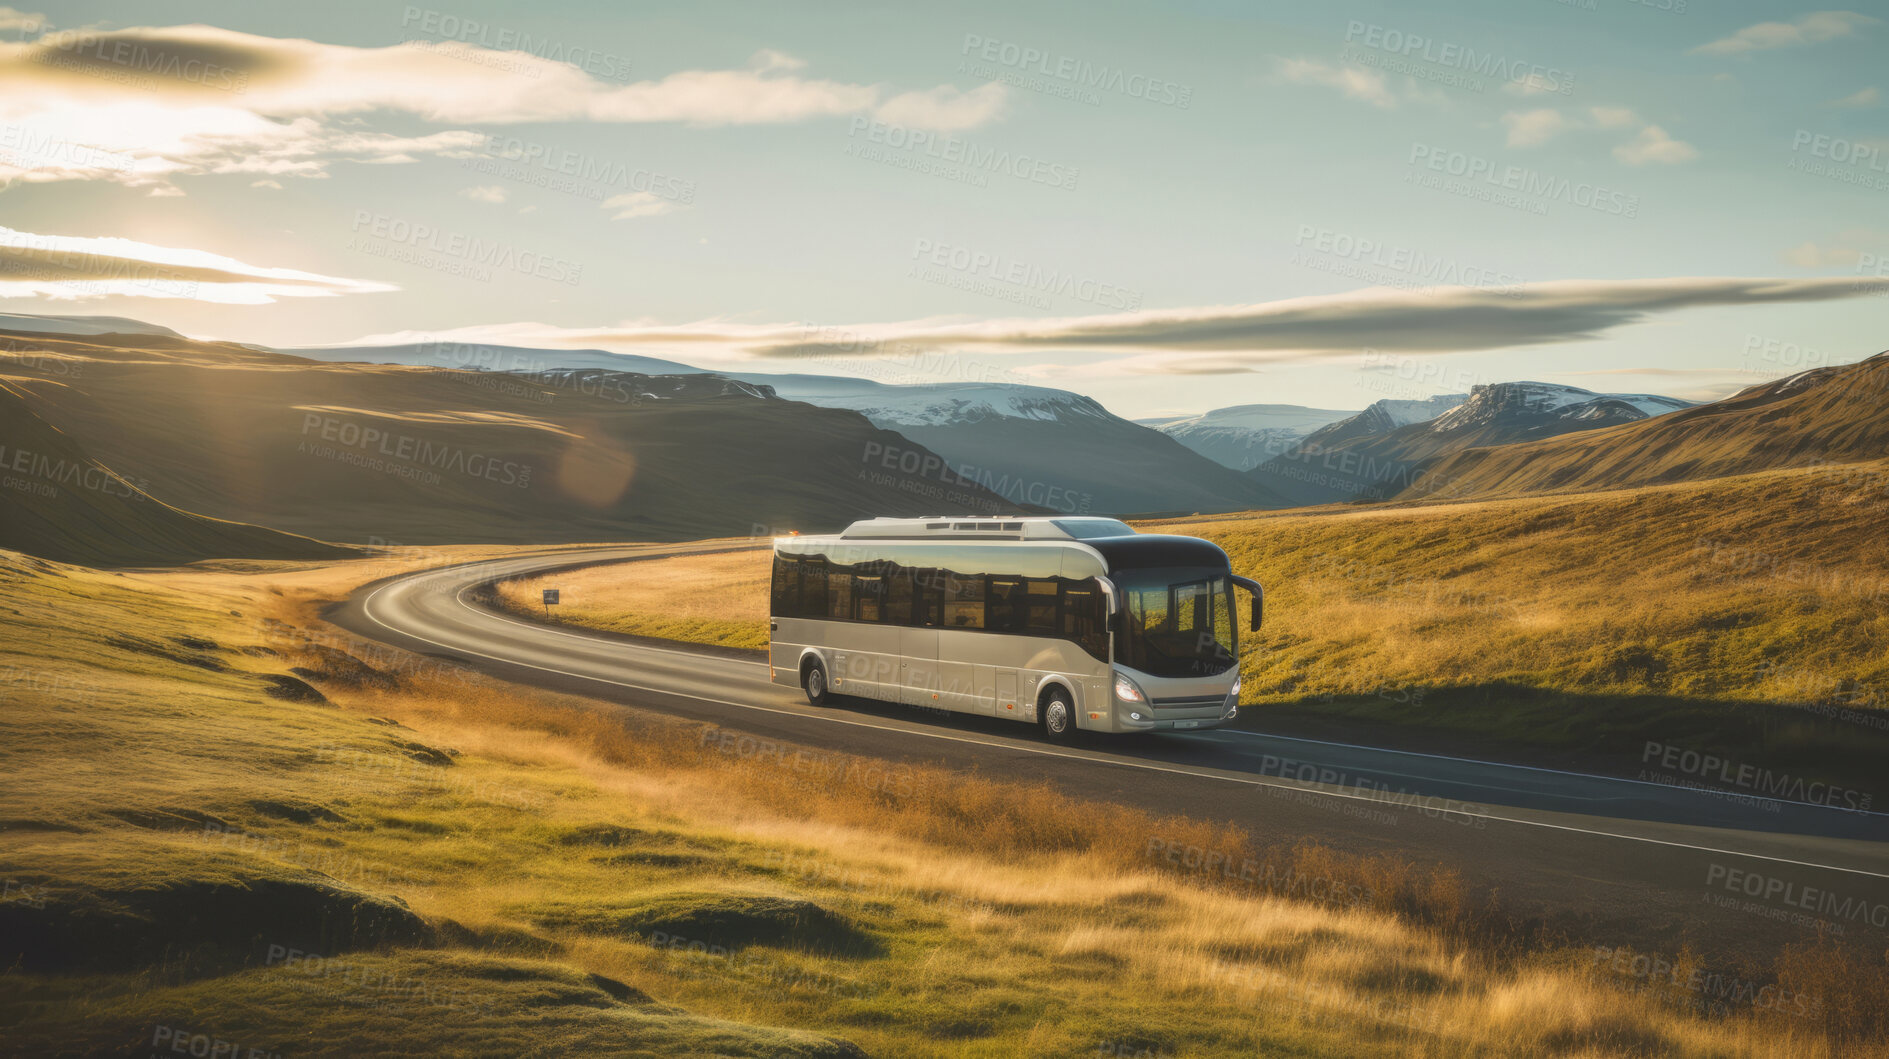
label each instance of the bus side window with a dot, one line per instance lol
(1004, 611)
(786, 601)
(813, 570)
(1083, 620)
(839, 592)
(1040, 618)
(964, 601)
(898, 595)
(868, 597)
(928, 588)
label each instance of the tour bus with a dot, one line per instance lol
(1064, 623)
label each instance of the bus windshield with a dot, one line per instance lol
(1177, 621)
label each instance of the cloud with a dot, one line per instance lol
(200, 99)
(1813, 28)
(1532, 128)
(1528, 128)
(945, 108)
(13, 20)
(1846, 249)
(1867, 97)
(1368, 86)
(266, 183)
(491, 193)
(1654, 146)
(633, 204)
(1224, 339)
(65, 268)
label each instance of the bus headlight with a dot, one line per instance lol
(1126, 690)
(1233, 701)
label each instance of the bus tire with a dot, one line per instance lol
(1056, 715)
(813, 681)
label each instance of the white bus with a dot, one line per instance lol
(1065, 623)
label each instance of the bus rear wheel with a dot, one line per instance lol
(1056, 715)
(813, 682)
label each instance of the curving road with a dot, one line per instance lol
(1641, 863)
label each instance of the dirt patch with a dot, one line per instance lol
(291, 689)
(298, 812)
(728, 921)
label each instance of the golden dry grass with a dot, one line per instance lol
(1009, 921)
(1587, 623)
(714, 599)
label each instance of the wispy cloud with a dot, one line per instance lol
(634, 204)
(66, 268)
(200, 99)
(489, 193)
(1225, 339)
(1653, 145)
(1813, 28)
(1367, 86)
(1865, 97)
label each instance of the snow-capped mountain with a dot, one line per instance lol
(933, 404)
(482, 356)
(1244, 436)
(1380, 451)
(1036, 445)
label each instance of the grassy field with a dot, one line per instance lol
(1584, 625)
(228, 823)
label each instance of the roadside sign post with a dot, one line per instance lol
(550, 597)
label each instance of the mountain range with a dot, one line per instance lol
(1246, 435)
(1032, 445)
(1379, 452)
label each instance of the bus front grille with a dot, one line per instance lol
(1211, 702)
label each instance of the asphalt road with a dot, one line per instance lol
(1626, 861)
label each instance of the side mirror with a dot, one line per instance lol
(1259, 600)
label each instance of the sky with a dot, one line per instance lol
(1168, 207)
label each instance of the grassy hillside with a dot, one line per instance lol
(1826, 416)
(1743, 614)
(351, 452)
(58, 502)
(263, 834)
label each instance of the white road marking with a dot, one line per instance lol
(367, 609)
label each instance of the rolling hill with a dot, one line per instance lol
(56, 502)
(1832, 415)
(353, 452)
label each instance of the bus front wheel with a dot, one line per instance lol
(813, 682)
(1056, 714)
